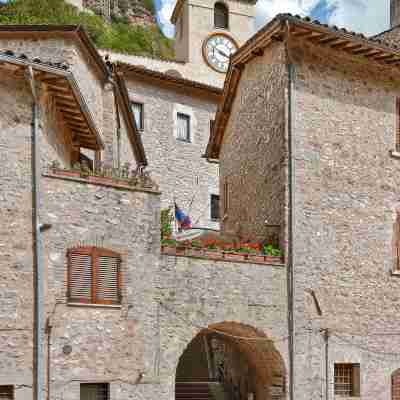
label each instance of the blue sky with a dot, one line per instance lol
(366, 16)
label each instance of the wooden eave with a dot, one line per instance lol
(135, 139)
(182, 85)
(287, 28)
(63, 89)
(74, 32)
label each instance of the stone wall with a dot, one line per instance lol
(194, 294)
(346, 197)
(253, 154)
(111, 344)
(16, 272)
(177, 166)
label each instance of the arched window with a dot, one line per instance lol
(94, 276)
(221, 16)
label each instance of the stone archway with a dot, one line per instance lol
(231, 361)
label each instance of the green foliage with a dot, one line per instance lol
(166, 224)
(117, 36)
(270, 250)
(246, 250)
(169, 242)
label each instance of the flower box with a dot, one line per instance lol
(234, 256)
(180, 251)
(272, 259)
(213, 254)
(170, 250)
(256, 258)
(194, 252)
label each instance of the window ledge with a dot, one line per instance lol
(395, 154)
(112, 306)
(394, 272)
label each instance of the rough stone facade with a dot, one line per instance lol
(346, 209)
(178, 167)
(254, 153)
(345, 214)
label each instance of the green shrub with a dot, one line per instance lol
(270, 250)
(117, 36)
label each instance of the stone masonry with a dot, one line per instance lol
(178, 167)
(346, 205)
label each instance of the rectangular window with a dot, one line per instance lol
(137, 110)
(95, 391)
(214, 207)
(94, 276)
(183, 127)
(347, 380)
(6, 392)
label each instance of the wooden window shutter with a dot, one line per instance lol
(80, 276)
(94, 276)
(6, 392)
(107, 284)
(398, 124)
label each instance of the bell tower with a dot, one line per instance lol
(230, 22)
(394, 13)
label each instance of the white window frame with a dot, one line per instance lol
(183, 109)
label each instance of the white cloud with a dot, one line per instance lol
(267, 9)
(164, 17)
(366, 16)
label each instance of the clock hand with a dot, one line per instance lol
(222, 53)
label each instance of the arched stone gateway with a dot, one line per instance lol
(230, 361)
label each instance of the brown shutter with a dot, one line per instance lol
(398, 124)
(80, 277)
(7, 392)
(107, 285)
(396, 385)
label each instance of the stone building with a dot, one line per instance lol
(306, 136)
(186, 91)
(89, 306)
(315, 113)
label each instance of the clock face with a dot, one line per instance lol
(217, 50)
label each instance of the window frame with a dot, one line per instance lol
(188, 118)
(141, 127)
(226, 15)
(213, 196)
(105, 384)
(354, 379)
(95, 253)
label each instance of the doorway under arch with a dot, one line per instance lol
(230, 361)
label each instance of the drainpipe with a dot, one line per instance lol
(291, 218)
(326, 338)
(38, 265)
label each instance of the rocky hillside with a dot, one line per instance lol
(121, 34)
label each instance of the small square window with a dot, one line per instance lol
(183, 127)
(95, 391)
(6, 392)
(347, 380)
(214, 203)
(137, 110)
